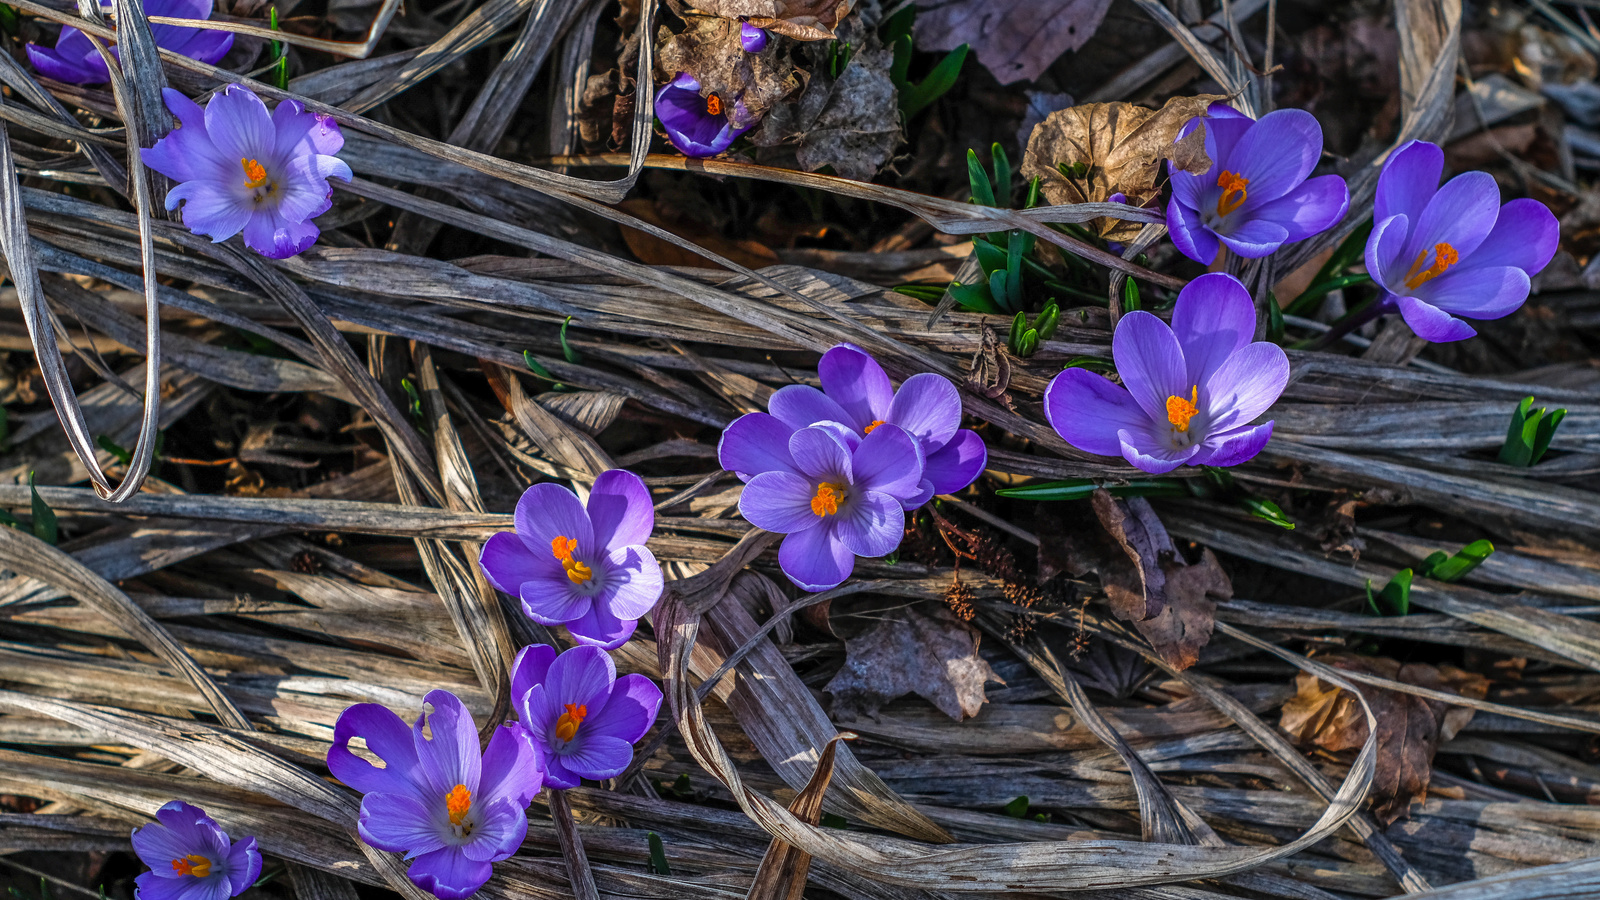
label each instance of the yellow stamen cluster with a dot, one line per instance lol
(563, 548)
(458, 803)
(567, 725)
(1233, 192)
(1444, 256)
(875, 424)
(827, 499)
(1180, 411)
(193, 864)
(255, 174)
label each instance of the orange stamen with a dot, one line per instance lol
(1180, 411)
(713, 105)
(827, 500)
(198, 866)
(567, 725)
(562, 547)
(255, 174)
(458, 803)
(1233, 192)
(875, 424)
(1444, 256)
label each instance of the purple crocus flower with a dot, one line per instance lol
(583, 717)
(450, 809)
(1255, 197)
(1443, 252)
(699, 126)
(587, 569)
(753, 39)
(190, 857)
(835, 494)
(1189, 391)
(856, 393)
(240, 168)
(75, 61)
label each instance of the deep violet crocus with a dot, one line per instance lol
(451, 809)
(584, 718)
(1444, 252)
(241, 168)
(857, 393)
(1189, 392)
(753, 39)
(835, 494)
(583, 567)
(696, 125)
(76, 61)
(1255, 197)
(191, 858)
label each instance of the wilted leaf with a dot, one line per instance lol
(782, 875)
(1410, 728)
(907, 652)
(851, 123)
(1114, 148)
(1015, 39)
(803, 20)
(989, 372)
(709, 49)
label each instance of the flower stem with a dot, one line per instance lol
(1352, 320)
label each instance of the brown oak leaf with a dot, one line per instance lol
(907, 652)
(803, 20)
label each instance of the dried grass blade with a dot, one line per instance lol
(783, 871)
(583, 887)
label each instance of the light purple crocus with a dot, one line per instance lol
(1443, 252)
(585, 568)
(451, 809)
(834, 493)
(699, 126)
(1189, 392)
(583, 717)
(191, 858)
(76, 61)
(857, 393)
(240, 168)
(1255, 197)
(753, 39)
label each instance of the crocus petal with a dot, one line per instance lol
(553, 599)
(1478, 293)
(1462, 214)
(1432, 323)
(1525, 235)
(70, 68)
(857, 383)
(755, 443)
(633, 581)
(1234, 447)
(512, 767)
(631, 710)
(548, 511)
(1384, 247)
(531, 667)
(508, 562)
(1088, 410)
(598, 756)
(1408, 181)
(193, 828)
(450, 756)
(239, 124)
(305, 134)
(1150, 457)
(820, 454)
(1253, 238)
(150, 886)
(1150, 361)
(1224, 127)
(887, 461)
(1245, 386)
(872, 525)
(800, 405)
(779, 501)
(1276, 154)
(753, 39)
(815, 559)
(958, 463)
(1212, 318)
(275, 238)
(501, 827)
(601, 628)
(1311, 208)
(305, 191)
(1186, 187)
(558, 777)
(1189, 234)
(210, 210)
(157, 846)
(928, 408)
(206, 46)
(448, 874)
(400, 823)
(582, 675)
(387, 737)
(690, 128)
(244, 865)
(620, 510)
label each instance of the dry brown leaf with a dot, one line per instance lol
(1015, 39)
(1410, 728)
(907, 652)
(803, 20)
(1151, 585)
(1115, 148)
(782, 875)
(709, 49)
(851, 123)
(989, 371)
(657, 252)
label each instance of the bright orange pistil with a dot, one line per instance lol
(827, 500)
(458, 803)
(195, 865)
(713, 105)
(563, 546)
(875, 424)
(255, 174)
(1233, 192)
(1180, 411)
(567, 725)
(1444, 256)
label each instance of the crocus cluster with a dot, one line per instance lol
(1190, 392)
(585, 567)
(76, 61)
(1440, 253)
(241, 168)
(1255, 197)
(191, 858)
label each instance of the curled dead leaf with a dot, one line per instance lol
(906, 652)
(803, 20)
(709, 49)
(1087, 153)
(852, 122)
